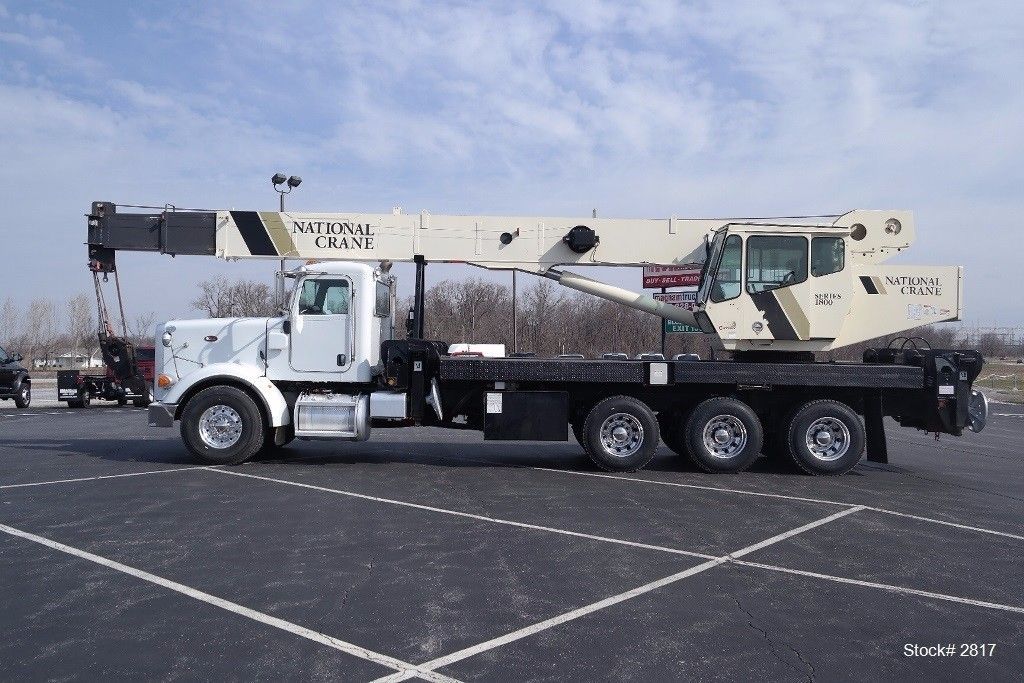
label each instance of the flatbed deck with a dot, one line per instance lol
(571, 370)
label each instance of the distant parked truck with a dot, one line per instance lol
(78, 389)
(15, 382)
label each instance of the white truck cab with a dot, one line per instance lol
(322, 350)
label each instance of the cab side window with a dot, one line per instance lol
(827, 255)
(324, 297)
(775, 261)
(727, 279)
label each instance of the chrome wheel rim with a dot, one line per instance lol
(622, 435)
(827, 439)
(220, 426)
(725, 436)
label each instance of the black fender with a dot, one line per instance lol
(20, 378)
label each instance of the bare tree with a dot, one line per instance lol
(222, 298)
(140, 330)
(40, 328)
(80, 330)
(252, 299)
(10, 320)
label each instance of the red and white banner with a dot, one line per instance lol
(687, 275)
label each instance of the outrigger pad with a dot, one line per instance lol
(874, 425)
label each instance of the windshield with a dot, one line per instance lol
(709, 264)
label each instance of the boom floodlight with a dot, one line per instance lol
(294, 181)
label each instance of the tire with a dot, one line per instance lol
(24, 397)
(723, 435)
(671, 432)
(621, 434)
(825, 437)
(83, 401)
(222, 425)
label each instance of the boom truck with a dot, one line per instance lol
(772, 293)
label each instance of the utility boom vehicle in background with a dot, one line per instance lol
(772, 293)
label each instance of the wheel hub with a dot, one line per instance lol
(622, 435)
(220, 426)
(827, 439)
(724, 436)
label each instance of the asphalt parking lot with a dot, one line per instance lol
(424, 554)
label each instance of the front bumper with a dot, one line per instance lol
(161, 414)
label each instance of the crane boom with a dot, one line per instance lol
(794, 284)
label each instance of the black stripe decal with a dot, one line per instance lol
(869, 286)
(778, 323)
(255, 235)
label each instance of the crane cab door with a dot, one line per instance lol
(322, 325)
(831, 286)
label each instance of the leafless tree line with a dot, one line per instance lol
(224, 298)
(43, 328)
(553, 321)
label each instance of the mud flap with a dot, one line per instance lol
(874, 425)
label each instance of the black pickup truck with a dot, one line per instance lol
(14, 380)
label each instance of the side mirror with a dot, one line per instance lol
(286, 326)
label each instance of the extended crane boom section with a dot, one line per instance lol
(794, 285)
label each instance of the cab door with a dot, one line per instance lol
(323, 325)
(7, 368)
(831, 286)
(776, 282)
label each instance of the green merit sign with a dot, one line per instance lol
(672, 327)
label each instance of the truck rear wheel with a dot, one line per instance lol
(621, 434)
(83, 400)
(222, 426)
(825, 437)
(577, 432)
(723, 435)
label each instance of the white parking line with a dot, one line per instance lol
(105, 476)
(717, 489)
(613, 600)
(406, 669)
(467, 515)
(654, 482)
(883, 586)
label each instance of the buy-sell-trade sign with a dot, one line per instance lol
(687, 275)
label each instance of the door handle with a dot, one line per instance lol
(342, 359)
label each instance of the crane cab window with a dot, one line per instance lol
(775, 261)
(727, 279)
(324, 297)
(827, 255)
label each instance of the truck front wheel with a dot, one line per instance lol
(825, 437)
(222, 426)
(24, 397)
(723, 435)
(621, 434)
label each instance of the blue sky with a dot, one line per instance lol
(637, 109)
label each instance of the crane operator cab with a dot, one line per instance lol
(807, 288)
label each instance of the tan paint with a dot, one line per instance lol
(279, 233)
